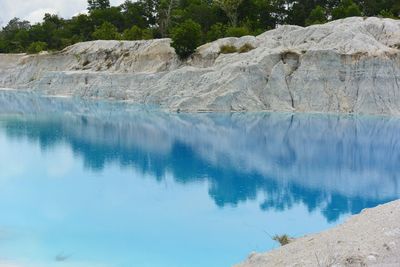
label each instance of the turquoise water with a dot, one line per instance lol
(100, 184)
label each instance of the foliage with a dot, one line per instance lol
(136, 14)
(107, 31)
(112, 15)
(237, 32)
(186, 37)
(260, 15)
(346, 8)
(144, 19)
(36, 47)
(136, 33)
(98, 4)
(217, 31)
(230, 7)
(165, 10)
(387, 14)
(317, 16)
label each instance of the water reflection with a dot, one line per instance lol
(335, 164)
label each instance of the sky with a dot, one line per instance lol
(34, 10)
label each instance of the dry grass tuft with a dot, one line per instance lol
(245, 48)
(282, 239)
(227, 49)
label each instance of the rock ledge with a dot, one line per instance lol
(348, 66)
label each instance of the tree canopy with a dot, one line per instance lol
(199, 21)
(98, 4)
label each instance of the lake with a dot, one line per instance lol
(95, 183)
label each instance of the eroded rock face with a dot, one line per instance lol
(349, 66)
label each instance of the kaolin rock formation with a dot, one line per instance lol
(349, 66)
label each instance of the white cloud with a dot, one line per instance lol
(34, 10)
(37, 15)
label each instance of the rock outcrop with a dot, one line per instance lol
(348, 66)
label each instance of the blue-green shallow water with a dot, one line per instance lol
(100, 184)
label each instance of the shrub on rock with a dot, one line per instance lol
(186, 37)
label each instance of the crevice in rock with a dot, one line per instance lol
(290, 59)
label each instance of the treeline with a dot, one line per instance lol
(189, 22)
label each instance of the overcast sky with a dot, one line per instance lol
(33, 10)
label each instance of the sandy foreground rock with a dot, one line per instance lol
(349, 66)
(371, 238)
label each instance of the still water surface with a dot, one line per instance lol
(100, 184)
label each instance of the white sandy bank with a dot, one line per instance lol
(371, 238)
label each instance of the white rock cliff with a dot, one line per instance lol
(348, 66)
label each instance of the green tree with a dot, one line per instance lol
(36, 47)
(150, 11)
(98, 4)
(165, 10)
(112, 15)
(378, 7)
(16, 24)
(22, 38)
(317, 16)
(199, 11)
(297, 13)
(144, 19)
(259, 14)
(134, 13)
(3, 45)
(396, 10)
(15, 36)
(237, 32)
(107, 31)
(53, 31)
(387, 14)
(217, 31)
(136, 33)
(346, 8)
(81, 28)
(186, 38)
(230, 7)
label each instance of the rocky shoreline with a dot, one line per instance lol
(345, 66)
(371, 238)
